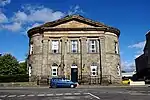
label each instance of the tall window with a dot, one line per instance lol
(92, 46)
(55, 46)
(29, 70)
(116, 48)
(74, 46)
(54, 70)
(118, 70)
(93, 70)
(31, 49)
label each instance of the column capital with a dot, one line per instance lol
(83, 38)
(101, 37)
(45, 40)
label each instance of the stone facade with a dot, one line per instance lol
(75, 27)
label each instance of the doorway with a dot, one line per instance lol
(74, 74)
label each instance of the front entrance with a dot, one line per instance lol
(74, 74)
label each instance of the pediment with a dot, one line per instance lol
(74, 24)
(74, 21)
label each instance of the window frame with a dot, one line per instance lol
(31, 49)
(92, 46)
(116, 48)
(74, 46)
(52, 46)
(96, 71)
(118, 70)
(56, 71)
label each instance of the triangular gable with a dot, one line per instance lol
(74, 21)
(73, 24)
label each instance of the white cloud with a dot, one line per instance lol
(4, 2)
(75, 10)
(37, 14)
(20, 16)
(12, 27)
(3, 18)
(44, 15)
(139, 45)
(139, 48)
(128, 65)
(32, 15)
(29, 16)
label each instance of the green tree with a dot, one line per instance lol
(23, 67)
(9, 65)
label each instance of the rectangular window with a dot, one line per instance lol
(31, 49)
(116, 48)
(92, 46)
(54, 70)
(55, 46)
(118, 70)
(93, 70)
(74, 46)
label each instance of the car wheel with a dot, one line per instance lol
(54, 86)
(72, 86)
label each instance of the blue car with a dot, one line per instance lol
(62, 82)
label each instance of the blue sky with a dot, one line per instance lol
(132, 17)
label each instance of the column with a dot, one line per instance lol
(45, 46)
(50, 46)
(63, 56)
(83, 54)
(102, 54)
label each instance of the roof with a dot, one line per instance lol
(97, 25)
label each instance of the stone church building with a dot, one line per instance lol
(77, 48)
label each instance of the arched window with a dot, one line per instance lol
(94, 69)
(54, 69)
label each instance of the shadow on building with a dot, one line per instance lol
(143, 62)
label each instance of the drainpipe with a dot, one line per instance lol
(100, 61)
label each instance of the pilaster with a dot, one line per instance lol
(103, 56)
(44, 69)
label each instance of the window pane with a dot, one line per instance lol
(54, 69)
(54, 51)
(94, 73)
(54, 73)
(74, 51)
(93, 41)
(93, 69)
(93, 50)
(93, 46)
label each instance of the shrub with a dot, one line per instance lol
(14, 78)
